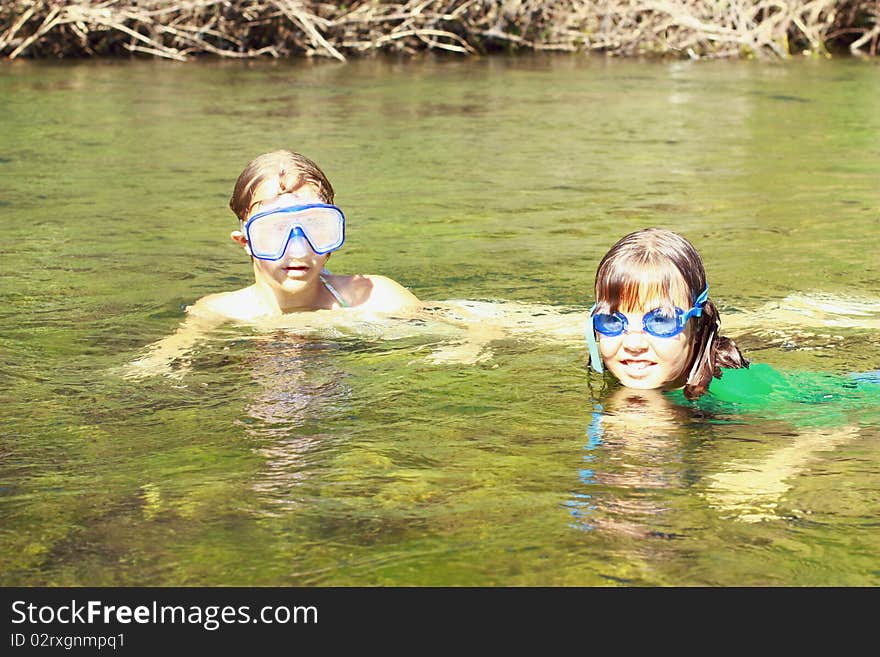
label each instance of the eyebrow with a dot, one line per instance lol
(259, 204)
(648, 303)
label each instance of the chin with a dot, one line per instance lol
(641, 384)
(653, 382)
(293, 285)
(644, 385)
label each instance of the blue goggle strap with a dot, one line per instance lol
(699, 302)
(595, 359)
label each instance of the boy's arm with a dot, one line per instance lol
(161, 355)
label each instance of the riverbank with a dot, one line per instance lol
(692, 29)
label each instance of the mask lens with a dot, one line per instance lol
(323, 227)
(608, 324)
(268, 236)
(662, 324)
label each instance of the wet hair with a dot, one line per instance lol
(654, 264)
(291, 170)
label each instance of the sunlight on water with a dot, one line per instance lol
(466, 443)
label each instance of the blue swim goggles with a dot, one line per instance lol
(269, 233)
(658, 323)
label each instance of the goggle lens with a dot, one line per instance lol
(661, 324)
(609, 325)
(657, 322)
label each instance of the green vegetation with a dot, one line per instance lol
(283, 28)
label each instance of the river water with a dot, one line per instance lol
(426, 451)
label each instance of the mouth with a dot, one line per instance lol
(637, 366)
(296, 270)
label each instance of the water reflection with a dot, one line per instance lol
(298, 393)
(295, 384)
(137, 482)
(636, 464)
(633, 455)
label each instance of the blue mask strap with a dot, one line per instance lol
(595, 360)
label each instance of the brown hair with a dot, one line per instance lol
(651, 263)
(292, 171)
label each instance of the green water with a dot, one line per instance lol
(353, 457)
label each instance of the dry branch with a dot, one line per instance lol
(283, 28)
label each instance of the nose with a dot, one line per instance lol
(297, 245)
(635, 342)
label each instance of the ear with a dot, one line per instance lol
(239, 238)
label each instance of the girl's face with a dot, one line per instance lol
(640, 360)
(300, 266)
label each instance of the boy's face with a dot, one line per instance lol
(640, 360)
(300, 265)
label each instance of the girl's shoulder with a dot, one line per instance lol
(372, 292)
(239, 305)
(747, 384)
(761, 385)
(799, 397)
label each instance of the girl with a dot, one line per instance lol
(653, 324)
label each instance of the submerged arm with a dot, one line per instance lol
(160, 357)
(750, 489)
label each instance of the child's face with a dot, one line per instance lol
(640, 360)
(300, 265)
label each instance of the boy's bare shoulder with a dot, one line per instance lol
(374, 292)
(237, 305)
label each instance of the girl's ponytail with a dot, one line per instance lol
(712, 352)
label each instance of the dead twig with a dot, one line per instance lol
(277, 28)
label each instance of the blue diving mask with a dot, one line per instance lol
(270, 233)
(658, 323)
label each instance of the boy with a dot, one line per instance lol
(289, 227)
